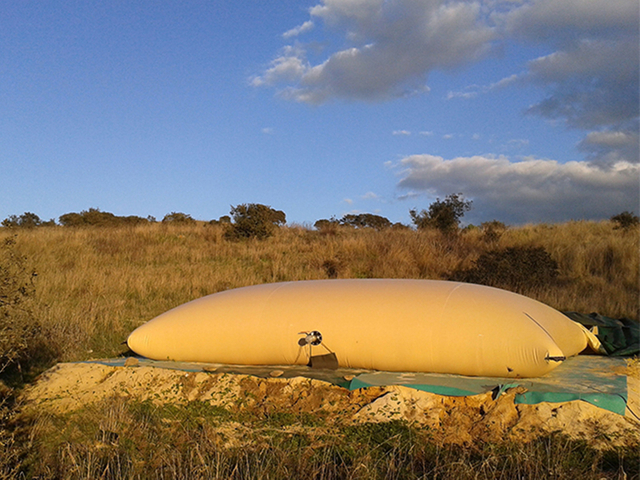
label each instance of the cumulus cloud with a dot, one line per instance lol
(611, 146)
(404, 133)
(391, 48)
(370, 196)
(592, 79)
(467, 94)
(592, 84)
(290, 65)
(294, 32)
(571, 19)
(472, 91)
(530, 190)
(388, 48)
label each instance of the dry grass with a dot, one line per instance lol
(121, 439)
(95, 285)
(599, 266)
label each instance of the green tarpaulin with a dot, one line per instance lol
(620, 337)
(599, 380)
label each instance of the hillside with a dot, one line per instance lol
(76, 293)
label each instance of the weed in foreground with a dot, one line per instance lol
(119, 439)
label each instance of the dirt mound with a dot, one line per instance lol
(461, 420)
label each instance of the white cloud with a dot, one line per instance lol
(268, 131)
(348, 201)
(590, 81)
(592, 84)
(426, 133)
(472, 91)
(466, 95)
(370, 196)
(609, 146)
(611, 139)
(567, 20)
(526, 191)
(290, 66)
(401, 133)
(517, 143)
(394, 46)
(294, 32)
(448, 136)
(506, 81)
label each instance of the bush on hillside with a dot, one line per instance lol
(176, 218)
(135, 220)
(513, 268)
(327, 227)
(254, 220)
(223, 220)
(96, 218)
(625, 220)
(365, 220)
(26, 220)
(443, 215)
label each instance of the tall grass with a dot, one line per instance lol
(95, 285)
(122, 440)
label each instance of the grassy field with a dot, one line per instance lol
(128, 439)
(95, 285)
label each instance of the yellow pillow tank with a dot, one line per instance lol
(392, 325)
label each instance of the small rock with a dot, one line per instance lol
(209, 369)
(348, 378)
(131, 362)
(276, 373)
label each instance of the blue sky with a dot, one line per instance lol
(320, 108)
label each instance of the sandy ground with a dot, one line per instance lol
(70, 386)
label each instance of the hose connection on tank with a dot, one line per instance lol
(554, 359)
(313, 339)
(310, 338)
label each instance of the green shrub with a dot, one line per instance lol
(625, 220)
(178, 218)
(443, 215)
(96, 218)
(223, 220)
(26, 220)
(365, 220)
(327, 227)
(254, 220)
(135, 220)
